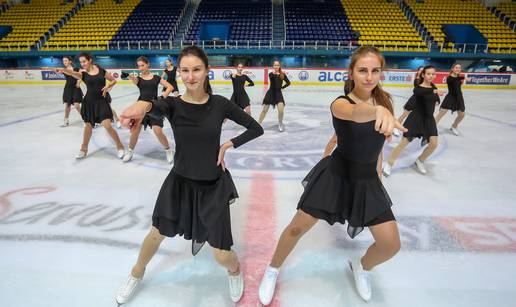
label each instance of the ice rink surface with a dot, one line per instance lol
(70, 230)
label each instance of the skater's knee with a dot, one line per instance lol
(389, 247)
(106, 124)
(154, 235)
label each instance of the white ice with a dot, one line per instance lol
(70, 230)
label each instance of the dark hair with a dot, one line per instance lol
(380, 96)
(68, 57)
(199, 53)
(421, 78)
(85, 55)
(142, 59)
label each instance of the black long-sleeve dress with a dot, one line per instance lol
(421, 122)
(454, 100)
(194, 199)
(239, 95)
(274, 94)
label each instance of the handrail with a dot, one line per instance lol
(268, 44)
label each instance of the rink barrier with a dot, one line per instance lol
(297, 76)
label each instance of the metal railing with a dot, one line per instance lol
(269, 45)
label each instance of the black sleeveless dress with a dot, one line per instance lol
(171, 78)
(149, 92)
(71, 92)
(239, 95)
(95, 108)
(345, 187)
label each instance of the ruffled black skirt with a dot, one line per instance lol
(197, 210)
(72, 94)
(273, 98)
(340, 190)
(420, 127)
(96, 109)
(151, 121)
(453, 103)
(241, 99)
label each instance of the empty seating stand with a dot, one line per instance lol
(435, 13)
(92, 27)
(30, 21)
(317, 20)
(383, 25)
(250, 20)
(151, 22)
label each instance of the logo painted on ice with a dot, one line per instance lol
(303, 75)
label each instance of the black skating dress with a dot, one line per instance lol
(421, 122)
(239, 95)
(274, 94)
(71, 92)
(171, 78)
(345, 187)
(454, 100)
(149, 92)
(95, 108)
(194, 199)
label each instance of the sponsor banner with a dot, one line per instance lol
(298, 76)
(489, 79)
(398, 77)
(20, 75)
(118, 72)
(440, 78)
(318, 76)
(51, 75)
(224, 74)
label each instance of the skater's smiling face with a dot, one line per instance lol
(66, 61)
(142, 66)
(86, 62)
(194, 72)
(366, 72)
(168, 62)
(456, 69)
